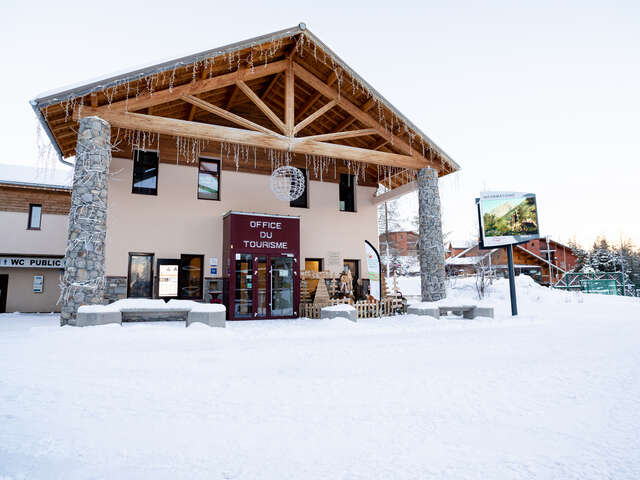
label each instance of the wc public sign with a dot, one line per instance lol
(31, 262)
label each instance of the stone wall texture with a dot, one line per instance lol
(83, 279)
(430, 242)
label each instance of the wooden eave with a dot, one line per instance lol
(255, 93)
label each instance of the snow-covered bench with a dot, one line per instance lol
(142, 309)
(342, 310)
(436, 311)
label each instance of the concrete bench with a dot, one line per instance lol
(145, 310)
(342, 310)
(436, 311)
(93, 318)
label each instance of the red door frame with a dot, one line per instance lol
(242, 234)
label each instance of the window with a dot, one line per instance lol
(354, 267)
(301, 201)
(315, 265)
(209, 180)
(145, 172)
(347, 193)
(140, 275)
(35, 217)
(191, 276)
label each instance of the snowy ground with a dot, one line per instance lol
(554, 393)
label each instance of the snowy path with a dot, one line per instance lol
(555, 394)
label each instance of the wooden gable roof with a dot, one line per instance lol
(283, 92)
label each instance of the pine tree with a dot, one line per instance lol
(580, 253)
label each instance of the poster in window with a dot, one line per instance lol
(168, 281)
(38, 283)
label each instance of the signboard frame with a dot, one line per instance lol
(162, 262)
(490, 244)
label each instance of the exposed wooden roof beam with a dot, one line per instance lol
(360, 115)
(232, 97)
(315, 97)
(318, 113)
(192, 112)
(217, 133)
(380, 144)
(232, 117)
(349, 121)
(194, 88)
(340, 135)
(289, 98)
(261, 105)
(272, 83)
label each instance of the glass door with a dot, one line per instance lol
(282, 287)
(243, 294)
(260, 289)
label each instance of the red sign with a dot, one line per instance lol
(264, 234)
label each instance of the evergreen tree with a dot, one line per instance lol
(580, 253)
(601, 258)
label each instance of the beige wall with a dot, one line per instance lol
(20, 295)
(51, 239)
(176, 222)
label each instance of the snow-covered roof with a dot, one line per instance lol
(59, 177)
(464, 260)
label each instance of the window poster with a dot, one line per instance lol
(334, 261)
(38, 283)
(168, 281)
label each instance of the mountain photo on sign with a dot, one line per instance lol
(510, 217)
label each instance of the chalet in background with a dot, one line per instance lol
(544, 259)
(401, 244)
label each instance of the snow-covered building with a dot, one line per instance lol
(184, 185)
(402, 243)
(543, 259)
(34, 210)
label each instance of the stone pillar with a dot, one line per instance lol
(430, 242)
(83, 279)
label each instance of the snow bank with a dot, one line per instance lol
(552, 393)
(147, 304)
(197, 306)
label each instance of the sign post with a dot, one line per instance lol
(512, 281)
(507, 219)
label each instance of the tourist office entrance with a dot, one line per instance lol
(261, 256)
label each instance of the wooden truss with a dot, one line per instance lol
(144, 113)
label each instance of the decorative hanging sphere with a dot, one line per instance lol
(287, 183)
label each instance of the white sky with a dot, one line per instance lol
(528, 96)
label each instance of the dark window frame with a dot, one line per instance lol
(210, 160)
(314, 259)
(350, 185)
(31, 206)
(305, 194)
(180, 276)
(140, 254)
(145, 190)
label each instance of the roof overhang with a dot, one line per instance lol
(59, 110)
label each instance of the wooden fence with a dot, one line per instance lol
(365, 309)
